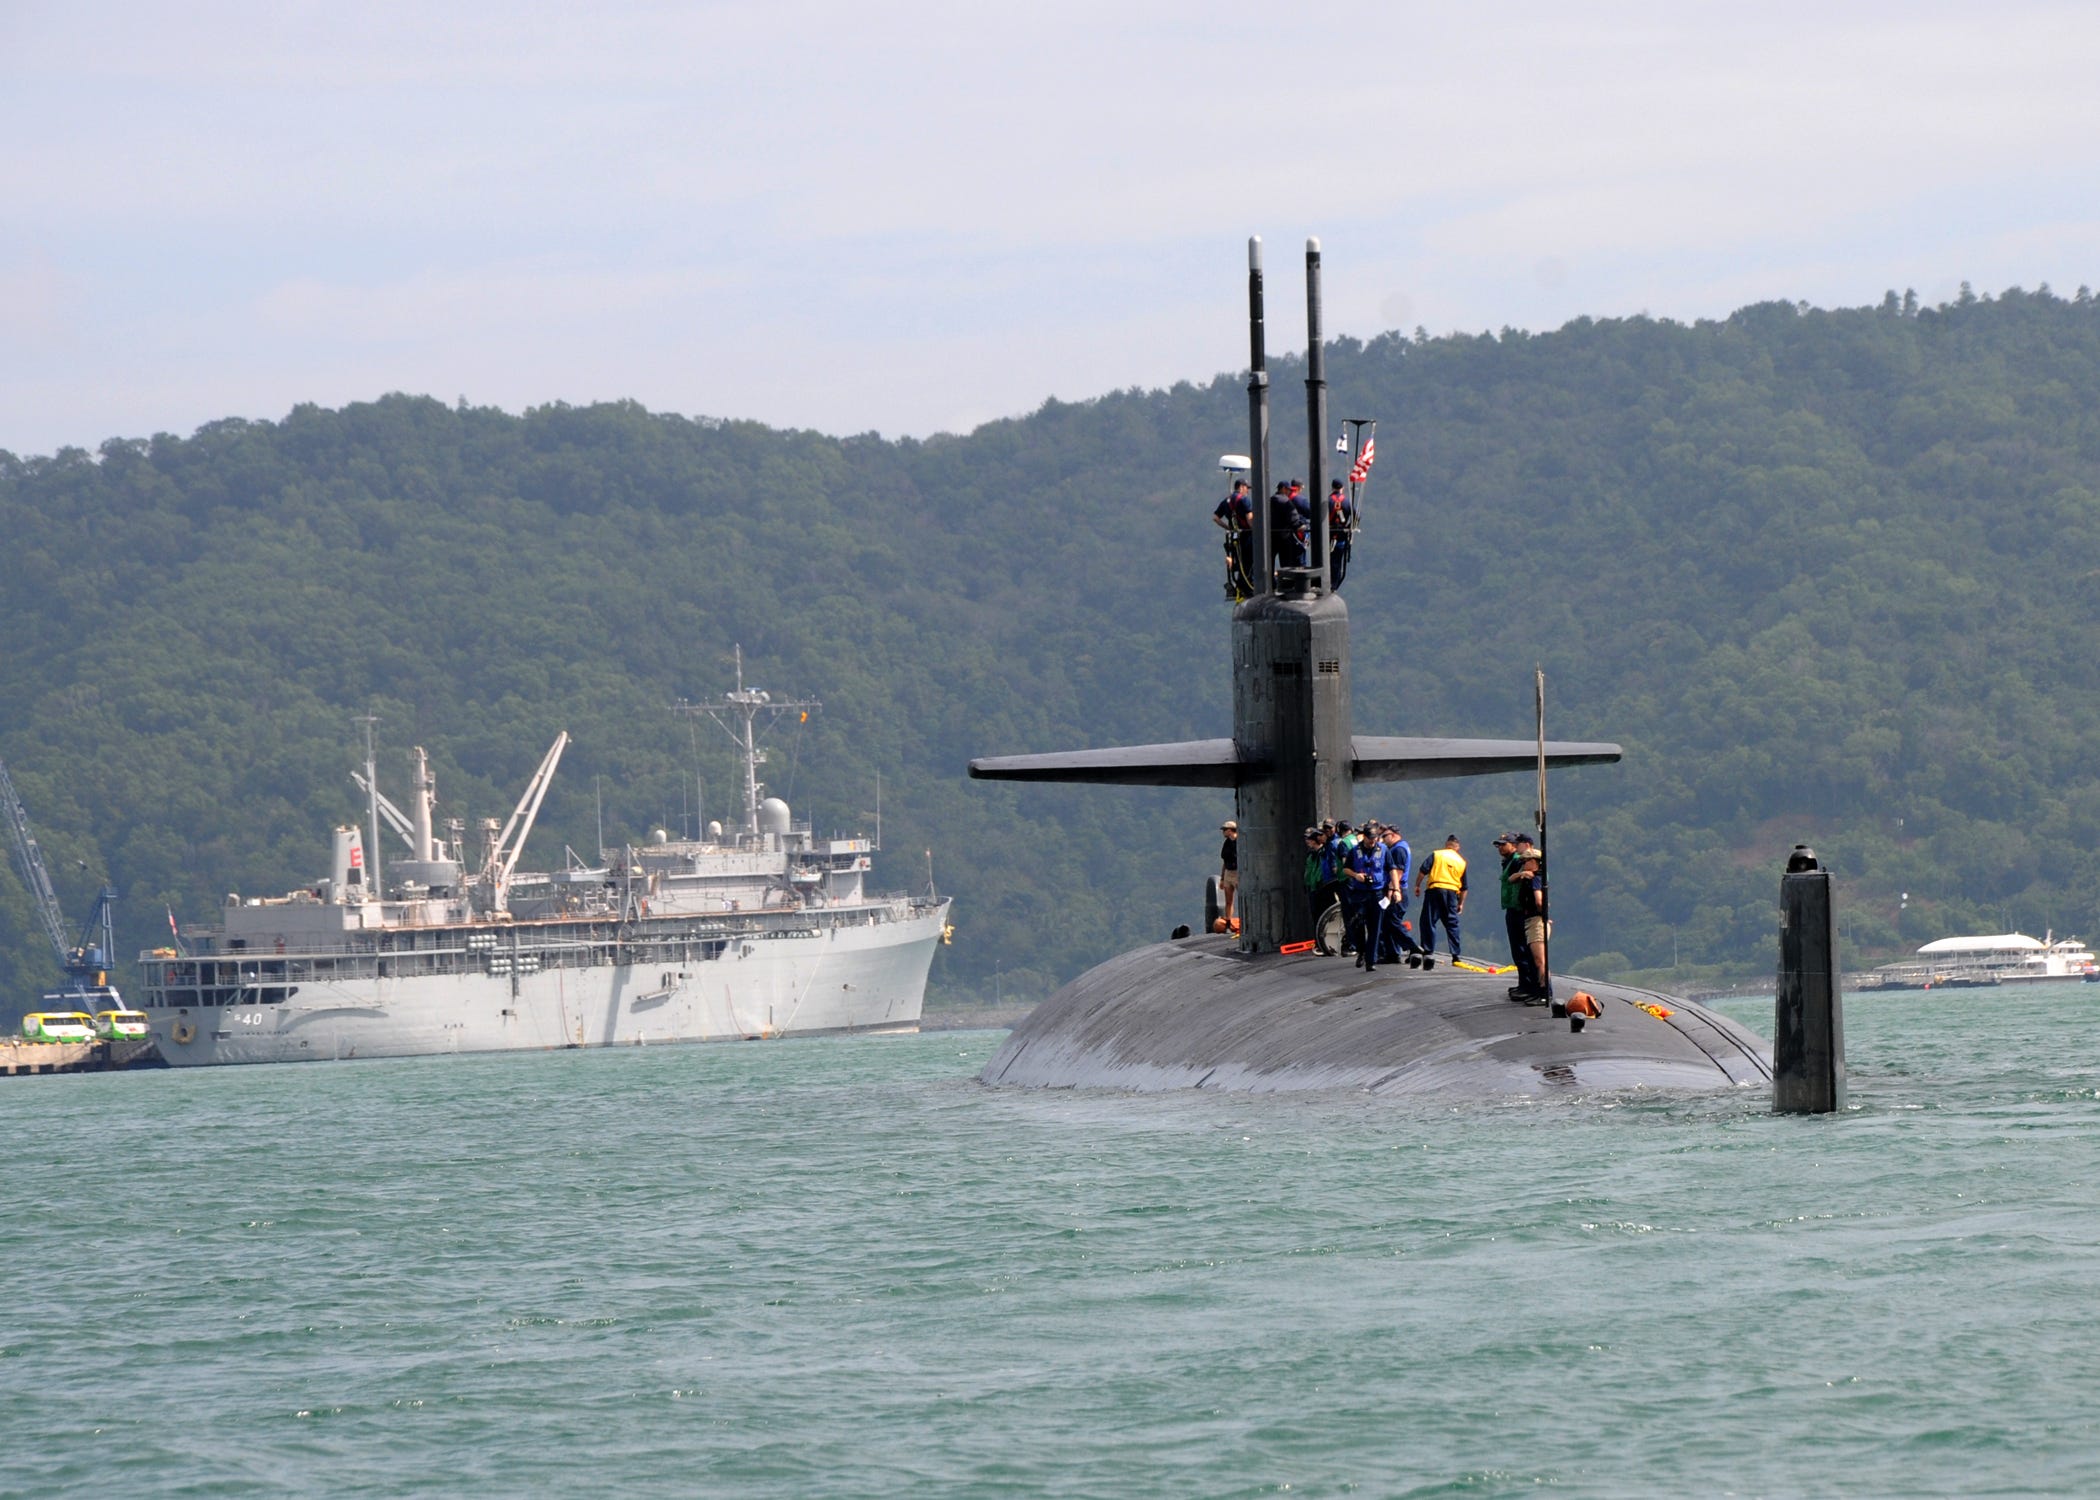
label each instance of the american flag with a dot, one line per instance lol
(1361, 469)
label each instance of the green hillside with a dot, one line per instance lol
(1826, 574)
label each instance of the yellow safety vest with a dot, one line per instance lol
(1445, 870)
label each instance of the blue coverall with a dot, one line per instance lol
(1360, 899)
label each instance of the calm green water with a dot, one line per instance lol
(845, 1268)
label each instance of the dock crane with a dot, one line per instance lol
(86, 962)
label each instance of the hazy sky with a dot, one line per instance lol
(916, 217)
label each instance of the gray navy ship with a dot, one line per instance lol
(764, 931)
(1272, 1009)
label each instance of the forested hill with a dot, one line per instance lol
(1828, 575)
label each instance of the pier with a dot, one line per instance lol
(20, 1058)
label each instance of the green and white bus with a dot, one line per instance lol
(58, 1026)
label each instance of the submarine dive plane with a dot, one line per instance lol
(1218, 1012)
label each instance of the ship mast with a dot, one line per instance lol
(737, 716)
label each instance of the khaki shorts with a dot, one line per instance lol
(1534, 929)
(1229, 881)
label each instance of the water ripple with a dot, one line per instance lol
(847, 1268)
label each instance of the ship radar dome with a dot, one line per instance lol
(772, 816)
(659, 836)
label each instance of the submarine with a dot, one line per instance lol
(1273, 1008)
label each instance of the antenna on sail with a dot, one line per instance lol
(1316, 424)
(1546, 941)
(1258, 418)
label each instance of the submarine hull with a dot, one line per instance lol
(1198, 1013)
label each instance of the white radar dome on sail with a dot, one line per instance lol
(773, 816)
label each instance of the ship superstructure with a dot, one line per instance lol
(765, 931)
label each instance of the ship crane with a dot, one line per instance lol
(86, 962)
(393, 816)
(417, 832)
(504, 850)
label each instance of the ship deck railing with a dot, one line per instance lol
(263, 976)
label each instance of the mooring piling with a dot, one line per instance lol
(1808, 1041)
